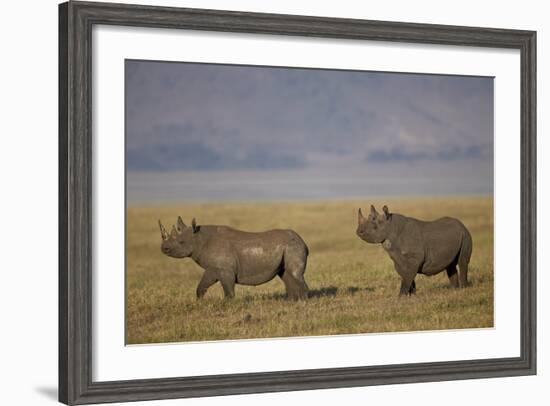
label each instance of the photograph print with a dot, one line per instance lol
(267, 202)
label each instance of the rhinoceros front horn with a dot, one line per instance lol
(173, 232)
(163, 232)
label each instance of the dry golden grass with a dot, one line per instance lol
(353, 285)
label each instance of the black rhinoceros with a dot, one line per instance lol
(232, 256)
(416, 246)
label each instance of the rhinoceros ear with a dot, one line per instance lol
(196, 228)
(386, 212)
(360, 218)
(180, 224)
(373, 211)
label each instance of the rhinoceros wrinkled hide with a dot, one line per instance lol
(416, 246)
(232, 256)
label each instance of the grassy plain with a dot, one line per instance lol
(353, 286)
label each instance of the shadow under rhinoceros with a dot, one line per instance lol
(333, 290)
(329, 291)
(352, 290)
(323, 292)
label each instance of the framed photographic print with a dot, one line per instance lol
(257, 202)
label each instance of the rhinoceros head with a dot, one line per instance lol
(374, 228)
(180, 242)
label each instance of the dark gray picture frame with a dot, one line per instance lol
(76, 20)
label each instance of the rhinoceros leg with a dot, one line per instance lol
(304, 289)
(407, 269)
(296, 287)
(294, 267)
(207, 280)
(228, 280)
(290, 284)
(452, 273)
(407, 283)
(463, 274)
(412, 289)
(464, 259)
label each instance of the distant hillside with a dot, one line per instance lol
(211, 117)
(198, 156)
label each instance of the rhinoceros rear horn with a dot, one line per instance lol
(163, 232)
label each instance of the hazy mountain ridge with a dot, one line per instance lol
(199, 156)
(201, 117)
